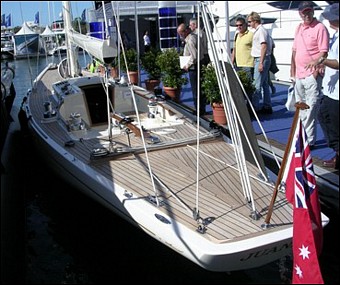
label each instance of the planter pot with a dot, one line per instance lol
(101, 70)
(133, 77)
(218, 114)
(151, 84)
(114, 72)
(173, 93)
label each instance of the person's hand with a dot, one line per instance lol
(321, 69)
(312, 65)
(260, 69)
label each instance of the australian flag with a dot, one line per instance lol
(302, 192)
(36, 18)
(8, 22)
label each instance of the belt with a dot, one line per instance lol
(260, 56)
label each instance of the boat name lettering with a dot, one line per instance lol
(267, 251)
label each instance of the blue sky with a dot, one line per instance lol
(25, 10)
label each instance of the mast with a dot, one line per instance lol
(227, 31)
(71, 57)
(104, 50)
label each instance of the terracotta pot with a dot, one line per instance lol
(218, 113)
(173, 93)
(101, 70)
(133, 77)
(114, 72)
(151, 84)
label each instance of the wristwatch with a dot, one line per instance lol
(321, 60)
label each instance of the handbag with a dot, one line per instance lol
(273, 67)
(290, 104)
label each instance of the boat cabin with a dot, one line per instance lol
(83, 106)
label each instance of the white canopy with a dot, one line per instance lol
(48, 32)
(25, 30)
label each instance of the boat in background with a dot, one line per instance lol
(8, 94)
(54, 41)
(60, 48)
(7, 45)
(280, 18)
(174, 175)
(49, 40)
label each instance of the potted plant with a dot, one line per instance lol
(149, 64)
(132, 65)
(171, 72)
(114, 68)
(248, 85)
(212, 93)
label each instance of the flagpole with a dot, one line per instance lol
(298, 106)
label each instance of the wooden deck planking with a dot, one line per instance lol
(207, 205)
(207, 202)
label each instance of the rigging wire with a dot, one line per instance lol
(137, 114)
(196, 214)
(230, 110)
(80, 31)
(28, 58)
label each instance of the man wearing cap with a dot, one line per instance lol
(311, 43)
(329, 106)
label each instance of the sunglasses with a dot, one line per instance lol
(306, 13)
(239, 25)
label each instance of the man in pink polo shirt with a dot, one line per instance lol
(311, 42)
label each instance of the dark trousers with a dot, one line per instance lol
(328, 117)
(193, 83)
(206, 60)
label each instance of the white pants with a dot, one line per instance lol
(307, 90)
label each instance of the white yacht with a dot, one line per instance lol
(173, 174)
(7, 46)
(279, 17)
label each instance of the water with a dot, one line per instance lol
(69, 239)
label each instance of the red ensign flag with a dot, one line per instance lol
(302, 192)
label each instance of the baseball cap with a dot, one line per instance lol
(305, 6)
(331, 12)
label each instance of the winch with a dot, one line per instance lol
(49, 112)
(76, 122)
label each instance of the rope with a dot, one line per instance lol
(230, 109)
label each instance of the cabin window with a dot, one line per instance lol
(265, 20)
(289, 5)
